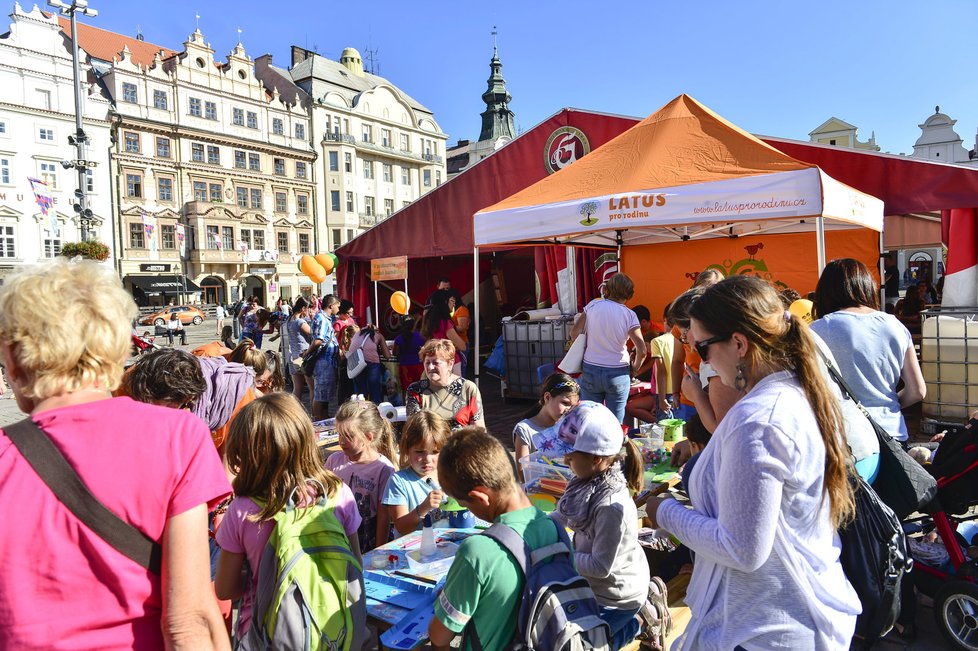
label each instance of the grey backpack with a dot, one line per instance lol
(558, 611)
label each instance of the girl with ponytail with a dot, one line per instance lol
(771, 488)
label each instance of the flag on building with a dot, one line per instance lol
(46, 203)
(149, 226)
(182, 239)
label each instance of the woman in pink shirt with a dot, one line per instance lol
(62, 585)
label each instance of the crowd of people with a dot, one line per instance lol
(201, 451)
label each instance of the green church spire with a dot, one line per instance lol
(497, 119)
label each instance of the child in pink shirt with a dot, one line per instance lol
(365, 462)
(273, 427)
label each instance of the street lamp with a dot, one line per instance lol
(79, 139)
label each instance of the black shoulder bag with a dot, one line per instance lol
(55, 471)
(902, 483)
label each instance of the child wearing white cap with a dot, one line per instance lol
(598, 507)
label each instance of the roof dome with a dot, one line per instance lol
(351, 60)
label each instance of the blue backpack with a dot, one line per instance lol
(558, 611)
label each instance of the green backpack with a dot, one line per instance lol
(310, 593)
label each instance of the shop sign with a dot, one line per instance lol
(389, 268)
(565, 145)
(155, 267)
(263, 271)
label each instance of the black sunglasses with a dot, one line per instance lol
(703, 347)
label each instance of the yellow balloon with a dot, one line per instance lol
(400, 302)
(326, 261)
(309, 266)
(318, 275)
(802, 309)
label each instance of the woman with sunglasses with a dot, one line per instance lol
(771, 488)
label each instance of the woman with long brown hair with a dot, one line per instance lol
(771, 488)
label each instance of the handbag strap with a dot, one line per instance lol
(847, 392)
(55, 471)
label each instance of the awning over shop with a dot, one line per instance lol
(158, 284)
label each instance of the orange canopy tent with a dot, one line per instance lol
(683, 174)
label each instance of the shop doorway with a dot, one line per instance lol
(255, 286)
(214, 290)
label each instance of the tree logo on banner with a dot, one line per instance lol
(587, 210)
(565, 145)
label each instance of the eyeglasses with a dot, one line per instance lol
(703, 347)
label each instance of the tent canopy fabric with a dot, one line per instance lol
(682, 173)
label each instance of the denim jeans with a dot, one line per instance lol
(368, 382)
(624, 626)
(609, 385)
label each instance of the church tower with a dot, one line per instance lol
(497, 119)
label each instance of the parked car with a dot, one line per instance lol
(186, 313)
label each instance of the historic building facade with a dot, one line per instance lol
(37, 115)
(214, 176)
(378, 148)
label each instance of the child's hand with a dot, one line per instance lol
(433, 501)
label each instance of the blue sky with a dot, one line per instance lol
(778, 68)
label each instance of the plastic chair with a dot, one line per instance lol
(544, 371)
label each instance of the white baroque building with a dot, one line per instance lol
(378, 148)
(37, 114)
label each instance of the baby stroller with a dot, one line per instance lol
(946, 569)
(143, 344)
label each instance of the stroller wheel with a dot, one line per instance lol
(956, 612)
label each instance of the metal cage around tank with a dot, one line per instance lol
(949, 362)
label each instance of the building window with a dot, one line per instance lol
(8, 247)
(388, 172)
(240, 161)
(45, 135)
(405, 176)
(300, 130)
(3, 127)
(89, 180)
(129, 93)
(134, 186)
(237, 117)
(242, 197)
(200, 191)
(302, 204)
(49, 174)
(169, 236)
(160, 100)
(43, 98)
(164, 189)
(426, 176)
(405, 142)
(300, 170)
(132, 142)
(368, 133)
(162, 147)
(388, 207)
(279, 167)
(348, 162)
(437, 177)
(283, 241)
(210, 110)
(213, 238)
(368, 169)
(385, 137)
(254, 162)
(349, 234)
(256, 198)
(334, 200)
(216, 192)
(52, 247)
(278, 128)
(280, 203)
(197, 152)
(194, 107)
(252, 120)
(259, 240)
(137, 234)
(246, 237)
(303, 242)
(368, 206)
(5, 171)
(227, 237)
(213, 154)
(336, 237)
(334, 161)
(349, 201)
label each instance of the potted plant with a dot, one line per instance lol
(90, 250)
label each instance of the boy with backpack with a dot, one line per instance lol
(495, 596)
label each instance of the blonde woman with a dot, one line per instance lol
(441, 391)
(155, 467)
(771, 488)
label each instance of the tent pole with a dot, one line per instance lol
(376, 305)
(618, 242)
(571, 307)
(820, 234)
(474, 354)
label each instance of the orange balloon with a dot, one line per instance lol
(309, 266)
(319, 276)
(400, 302)
(326, 261)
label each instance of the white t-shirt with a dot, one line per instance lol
(608, 325)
